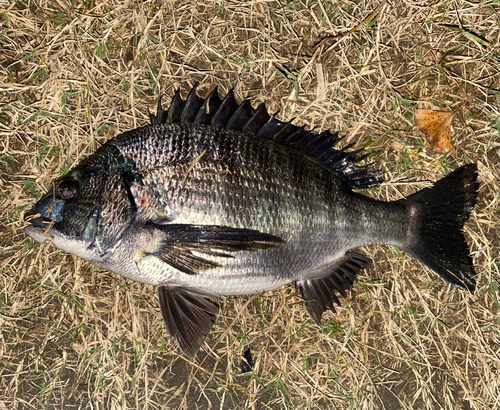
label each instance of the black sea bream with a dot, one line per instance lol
(216, 199)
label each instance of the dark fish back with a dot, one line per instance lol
(227, 114)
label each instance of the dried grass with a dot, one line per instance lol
(74, 75)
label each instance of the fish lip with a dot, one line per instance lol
(39, 234)
(41, 222)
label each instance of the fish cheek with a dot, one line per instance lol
(80, 216)
(117, 211)
(101, 211)
(75, 206)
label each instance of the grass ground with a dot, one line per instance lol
(73, 74)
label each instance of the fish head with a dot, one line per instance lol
(88, 209)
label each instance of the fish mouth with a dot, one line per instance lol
(40, 229)
(41, 222)
(40, 226)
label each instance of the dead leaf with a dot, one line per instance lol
(436, 125)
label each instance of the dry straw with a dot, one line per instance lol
(75, 73)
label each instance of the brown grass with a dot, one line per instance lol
(74, 74)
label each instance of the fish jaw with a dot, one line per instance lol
(50, 235)
(39, 234)
(76, 247)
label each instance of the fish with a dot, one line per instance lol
(216, 198)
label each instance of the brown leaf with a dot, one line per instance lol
(436, 125)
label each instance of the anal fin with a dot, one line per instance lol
(189, 315)
(320, 293)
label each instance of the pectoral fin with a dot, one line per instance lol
(319, 293)
(189, 315)
(186, 247)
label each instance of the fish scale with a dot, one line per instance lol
(207, 196)
(205, 210)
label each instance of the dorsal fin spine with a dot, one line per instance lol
(209, 108)
(191, 107)
(241, 116)
(285, 132)
(258, 119)
(176, 107)
(227, 113)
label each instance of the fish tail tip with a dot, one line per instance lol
(439, 213)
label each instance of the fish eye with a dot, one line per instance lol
(67, 189)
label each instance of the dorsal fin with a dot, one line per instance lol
(227, 113)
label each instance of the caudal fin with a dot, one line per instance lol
(438, 216)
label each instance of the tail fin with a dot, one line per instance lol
(438, 216)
